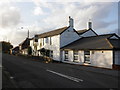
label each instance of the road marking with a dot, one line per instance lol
(11, 77)
(66, 76)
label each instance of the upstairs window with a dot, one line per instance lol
(50, 40)
(36, 38)
(43, 41)
(40, 42)
(46, 40)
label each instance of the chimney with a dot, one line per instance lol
(71, 22)
(89, 24)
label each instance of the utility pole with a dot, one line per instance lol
(27, 38)
(28, 33)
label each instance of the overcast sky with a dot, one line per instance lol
(39, 17)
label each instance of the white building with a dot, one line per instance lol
(82, 47)
(55, 39)
(99, 51)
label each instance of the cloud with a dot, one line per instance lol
(38, 11)
(9, 15)
(9, 19)
(81, 12)
(52, 15)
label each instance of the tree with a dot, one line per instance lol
(6, 46)
(29, 50)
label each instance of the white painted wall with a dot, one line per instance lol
(117, 57)
(70, 57)
(31, 44)
(68, 36)
(81, 56)
(55, 46)
(88, 33)
(100, 59)
(34, 51)
(63, 55)
(97, 59)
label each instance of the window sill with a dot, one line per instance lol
(66, 60)
(76, 61)
(87, 63)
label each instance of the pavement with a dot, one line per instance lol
(34, 73)
(106, 71)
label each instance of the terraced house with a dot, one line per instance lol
(98, 51)
(83, 47)
(55, 39)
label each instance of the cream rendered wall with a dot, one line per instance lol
(100, 59)
(117, 57)
(68, 36)
(88, 33)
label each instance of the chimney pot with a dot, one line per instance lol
(71, 22)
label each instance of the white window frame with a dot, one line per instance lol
(87, 56)
(75, 55)
(46, 40)
(51, 53)
(66, 54)
(50, 40)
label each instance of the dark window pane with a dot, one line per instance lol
(75, 52)
(75, 57)
(66, 52)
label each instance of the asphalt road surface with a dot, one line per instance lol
(33, 74)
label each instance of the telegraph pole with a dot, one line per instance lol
(28, 33)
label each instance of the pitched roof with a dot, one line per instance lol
(94, 42)
(16, 48)
(25, 43)
(52, 33)
(81, 31)
(85, 30)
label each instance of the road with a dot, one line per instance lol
(33, 74)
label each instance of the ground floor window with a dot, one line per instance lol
(66, 55)
(51, 53)
(86, 56)
(75, 56)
